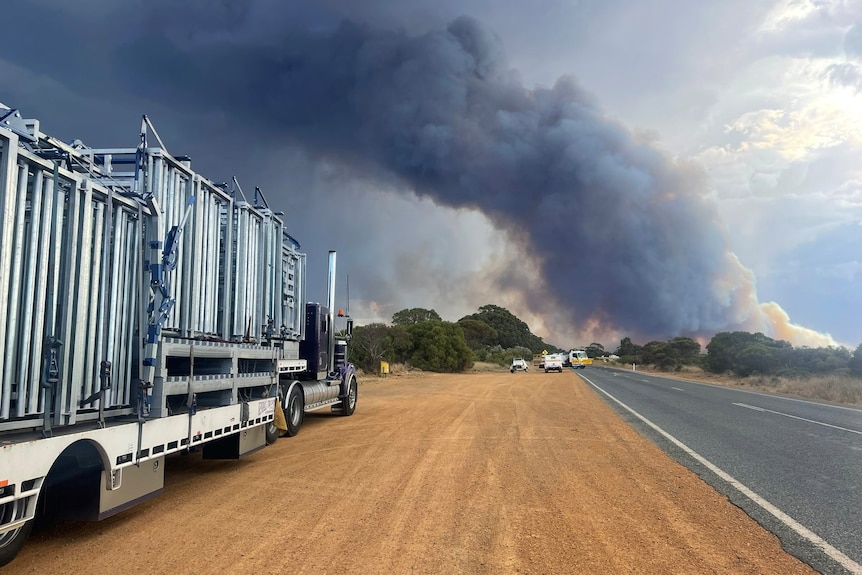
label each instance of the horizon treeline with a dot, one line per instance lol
(419, 338)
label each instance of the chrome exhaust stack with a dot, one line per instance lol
(330, 310)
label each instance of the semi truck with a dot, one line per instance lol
(145, 311)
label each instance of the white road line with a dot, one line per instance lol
(745, 405)
(839, 557)
(797, 417)
(678, 388)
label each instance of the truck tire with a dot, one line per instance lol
(272, 433)
(294, 411)
(11, 542)
(348, 404)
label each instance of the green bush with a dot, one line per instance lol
(439, 346)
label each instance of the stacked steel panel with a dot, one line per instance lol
(196, 284)
(68, 270)
(74, 239)
(231, 283)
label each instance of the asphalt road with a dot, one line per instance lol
(803, 458)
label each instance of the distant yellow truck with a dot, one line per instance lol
(578, 359)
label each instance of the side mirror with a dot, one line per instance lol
(349, 327)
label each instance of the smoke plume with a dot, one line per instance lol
(624, 237)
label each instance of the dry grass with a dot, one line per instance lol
(485, 367)
(396, 371)
(837, 389)
(401, 370)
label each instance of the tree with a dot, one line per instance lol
(511, 331)
(757, 358)
(627, 348)
(721, 349)
(368, 346)
(414, 315)
(595, 350)
(477, 334)
(821, 360)
(400, 342)
(685, 346)
(439, 346)
(855, 362)
(744, 353)
(661, 354)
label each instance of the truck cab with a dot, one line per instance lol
(578, 359)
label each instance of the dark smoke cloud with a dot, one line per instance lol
(623, 237)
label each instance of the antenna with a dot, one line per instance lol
(349, 319)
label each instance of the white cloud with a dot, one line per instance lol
(787, 13)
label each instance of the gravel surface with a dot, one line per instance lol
(473, 473)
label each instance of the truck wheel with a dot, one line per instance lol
(271, 433)
(348, 404)
(11, 542)
(293, 411)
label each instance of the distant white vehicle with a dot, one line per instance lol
(518, 364)
(553, 363)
